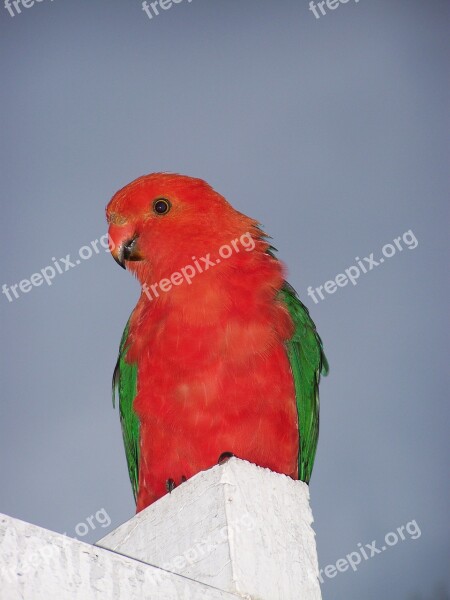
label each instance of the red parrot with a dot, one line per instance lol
(219, 357)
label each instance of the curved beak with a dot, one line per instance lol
(119, 259)
(123, 246)
(127, 251)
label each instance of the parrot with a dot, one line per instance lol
(219, 357)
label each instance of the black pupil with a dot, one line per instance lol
(161, 207)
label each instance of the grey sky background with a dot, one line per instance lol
(331, 132)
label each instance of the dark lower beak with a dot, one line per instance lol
(127, 251)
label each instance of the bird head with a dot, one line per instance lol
(161, 221)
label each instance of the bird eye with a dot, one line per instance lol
(161, 206)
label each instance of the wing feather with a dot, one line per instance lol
(308, 363)
(124, 386)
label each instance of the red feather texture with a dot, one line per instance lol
(213, 373)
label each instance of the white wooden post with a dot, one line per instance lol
(237, 527)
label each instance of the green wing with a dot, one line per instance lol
(308, 362)
(124, 385)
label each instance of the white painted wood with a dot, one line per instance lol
(36, 564)
(237, 527)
